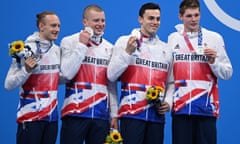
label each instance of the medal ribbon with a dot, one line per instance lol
(188, 41)
(39, 47)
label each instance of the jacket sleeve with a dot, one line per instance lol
(16, 76)
(119, 61)
(170, 87)
(222, 67)
(72, 55)
(113, 99)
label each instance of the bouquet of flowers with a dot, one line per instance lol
(155, 94)
(114, 137)
(18, 49)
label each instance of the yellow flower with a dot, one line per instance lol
(160, 89)
(16, 47)
(116, 136)
(154, 92)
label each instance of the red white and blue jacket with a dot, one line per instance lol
(38, 89)
(89, 94)
(146, 67)
(194, 82)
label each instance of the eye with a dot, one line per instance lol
(152, 18)
(55, 25)
(99, 20)
(192, 15)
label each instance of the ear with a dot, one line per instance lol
(84, 21)
(41, 26)
(180, 17)
(140, 19)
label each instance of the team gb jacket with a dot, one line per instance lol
(195, 80)
(38, 89)
(148, 66)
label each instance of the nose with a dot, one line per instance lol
(57, 28)
(194, 17)
(101, 22)
(155, 20)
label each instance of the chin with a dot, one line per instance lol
(194, 28)
(52, 39)
(152, 33)
(99, 33)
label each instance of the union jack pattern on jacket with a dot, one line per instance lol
(195, 80)
(146, 67)
(87, 93)
(38, 90)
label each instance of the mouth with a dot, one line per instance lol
(154, 29)
(55, 34)
(99, 31)
(194, 24)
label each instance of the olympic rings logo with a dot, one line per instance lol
(221, 15)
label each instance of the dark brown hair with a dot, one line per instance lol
(148, 6)
(186, 4)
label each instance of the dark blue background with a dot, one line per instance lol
(18, 20)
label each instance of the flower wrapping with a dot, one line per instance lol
(114, 137)
(18, 49)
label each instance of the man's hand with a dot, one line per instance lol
(163, 108)
(114, 123)
(84, 37)
(30, 64)
(211, 54)
(131, 45)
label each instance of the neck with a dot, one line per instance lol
(43, 38)
(96, 39)
(191, 30)
(148, 36)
